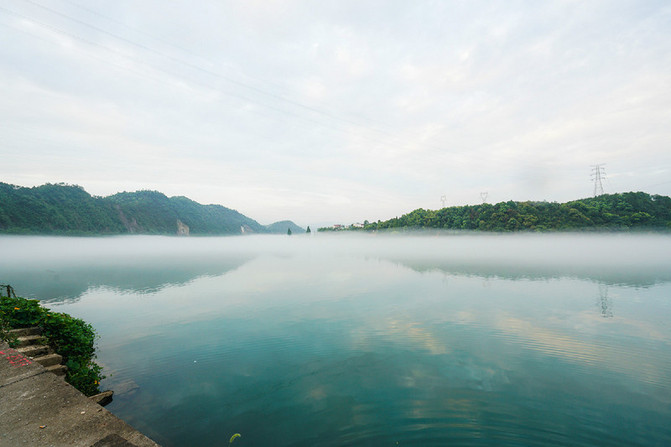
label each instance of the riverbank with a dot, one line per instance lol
(70, 340)
(37, 408)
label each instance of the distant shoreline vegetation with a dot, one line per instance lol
(630, 211)
(62, 209)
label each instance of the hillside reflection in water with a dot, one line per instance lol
(372, 340)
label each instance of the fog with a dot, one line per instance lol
(47, 267)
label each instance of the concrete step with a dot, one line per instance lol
(59, 370)
(103, 398)
(28, 340)
(26, 331)
(34, 350)
(49, 359)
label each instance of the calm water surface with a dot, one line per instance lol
(371, 340)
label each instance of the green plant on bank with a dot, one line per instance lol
(72, 338)
(5, 334)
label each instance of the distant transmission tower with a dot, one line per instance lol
(598, 174)
(483, 196)
(605, 304)
(443, 200)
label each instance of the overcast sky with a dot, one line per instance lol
(337, 111)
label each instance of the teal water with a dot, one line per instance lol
(371, 340)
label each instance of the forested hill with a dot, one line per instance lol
(626, 211)
(282, 227)
(68, 209)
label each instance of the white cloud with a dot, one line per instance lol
(338, 111)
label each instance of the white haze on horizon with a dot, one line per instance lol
(573, 251)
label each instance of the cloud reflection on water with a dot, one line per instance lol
(342, 334)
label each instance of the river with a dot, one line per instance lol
(371, 340)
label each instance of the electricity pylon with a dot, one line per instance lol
(598, 174)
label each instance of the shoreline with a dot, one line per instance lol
(40, 408)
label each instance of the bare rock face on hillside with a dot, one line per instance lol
(182, 228)
(246, 229)
(130, 224)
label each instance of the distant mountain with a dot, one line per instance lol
(154, 212)
(69, 209)
(282, 226)
(637, 211)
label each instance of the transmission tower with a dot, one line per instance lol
(483, 196)
(605, 304)
(598, 174)
(443, 200)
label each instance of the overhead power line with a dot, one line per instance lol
(143, 62)
(205, 70)
(390, 136)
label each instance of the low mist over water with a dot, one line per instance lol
(146, 263)
(370, 339)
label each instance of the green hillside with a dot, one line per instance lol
(608, 212)
(282, 226)
(56, 208)
(69, 209)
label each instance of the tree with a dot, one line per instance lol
(308, 230)
(289, 231)
(631, 210)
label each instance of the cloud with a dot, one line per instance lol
(381, 107)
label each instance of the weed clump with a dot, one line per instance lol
(72, 338)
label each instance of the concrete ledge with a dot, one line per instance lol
(39, 409)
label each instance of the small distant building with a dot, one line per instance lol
(358, 225)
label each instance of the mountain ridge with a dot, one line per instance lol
(68, 209)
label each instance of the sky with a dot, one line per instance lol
(327, 112)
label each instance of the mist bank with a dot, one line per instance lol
(636, 211)
(70, 210)
(62, 269)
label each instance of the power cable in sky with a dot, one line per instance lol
(207, 71)
(154, 67)
(280, 99)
